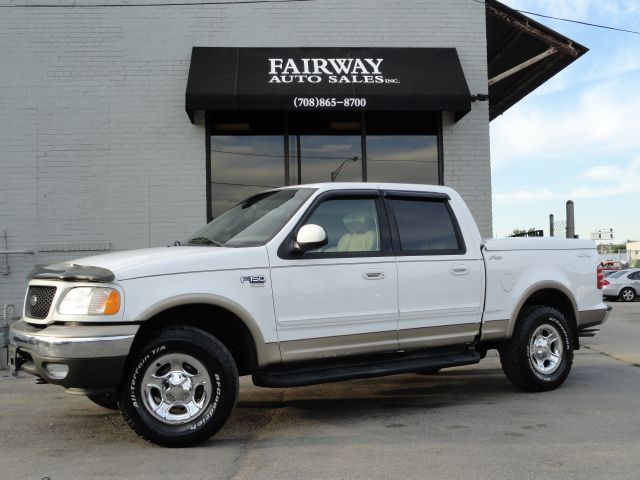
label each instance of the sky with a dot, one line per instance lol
(577, 137)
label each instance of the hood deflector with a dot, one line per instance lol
(70, 272)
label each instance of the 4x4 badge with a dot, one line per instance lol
(254, 280)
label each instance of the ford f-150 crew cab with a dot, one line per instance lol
(304, 285)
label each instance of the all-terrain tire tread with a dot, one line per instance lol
(516, 365)
(227, 362)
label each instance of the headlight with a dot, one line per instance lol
(90, 301)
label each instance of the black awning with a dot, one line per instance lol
(376, 79)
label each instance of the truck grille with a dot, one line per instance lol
(39, 301)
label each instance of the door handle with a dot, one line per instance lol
(373, 275)
(459, 269)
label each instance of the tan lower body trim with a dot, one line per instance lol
(495, 330)
(270, 355)
(591, 318)
(437, 336)
(338, 346)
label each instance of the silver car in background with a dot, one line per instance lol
(623, 285)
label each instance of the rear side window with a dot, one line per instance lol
(426, 226)
(617, 274)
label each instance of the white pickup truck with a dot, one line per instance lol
(304, 285)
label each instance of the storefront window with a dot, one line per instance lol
(253, 151)
(325, 158)
(402, 158)
(243, 165)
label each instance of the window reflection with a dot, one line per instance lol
(321, 148)
(402, 159)
(325, 158)
(242, 166)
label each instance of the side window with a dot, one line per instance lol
(351, 225)
(635, 276)
(426, 226)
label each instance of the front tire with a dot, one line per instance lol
(627, 294)
(539, 355)
(180, 387)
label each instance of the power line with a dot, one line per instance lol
(607, 27)
(580, 22)
(267, 155)
(170, 4)
(315, 157)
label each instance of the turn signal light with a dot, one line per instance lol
(112, 304)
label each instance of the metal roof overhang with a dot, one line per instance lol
(522, 54)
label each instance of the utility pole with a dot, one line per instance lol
(551, 226)
(571, 227)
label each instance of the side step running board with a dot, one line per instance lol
(325, 371)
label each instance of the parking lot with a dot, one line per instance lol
(467, 422)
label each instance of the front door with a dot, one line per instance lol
(440, 281)
(340, 299)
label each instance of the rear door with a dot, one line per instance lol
(440, 280)
(634, 280)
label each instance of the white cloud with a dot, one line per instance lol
(604, 120)
(523, 196)
(618, 64)
(593, 11)
(599, 181)
(615, 66)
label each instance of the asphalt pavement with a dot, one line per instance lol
(463, 423)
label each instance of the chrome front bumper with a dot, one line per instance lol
(91, 341)
(92, 355)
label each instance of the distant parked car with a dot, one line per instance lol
(623, 284)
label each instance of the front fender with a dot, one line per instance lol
(266, 353)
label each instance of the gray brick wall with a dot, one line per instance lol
(95, 146)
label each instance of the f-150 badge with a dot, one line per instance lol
(254, 280)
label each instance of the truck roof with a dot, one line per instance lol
(412, 187)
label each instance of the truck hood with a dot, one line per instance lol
(174, 260)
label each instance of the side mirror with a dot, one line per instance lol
(310, 236)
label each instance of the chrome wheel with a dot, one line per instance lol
(628, 295)
(545, 349)
(176, 388)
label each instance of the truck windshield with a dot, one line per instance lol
(253, 221)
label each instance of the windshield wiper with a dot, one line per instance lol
(204, 241)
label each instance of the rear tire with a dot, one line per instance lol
(106, 400)
(627, 294)
(539, 355)
(179, 388)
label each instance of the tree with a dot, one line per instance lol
(613, 247)
(517, 231)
